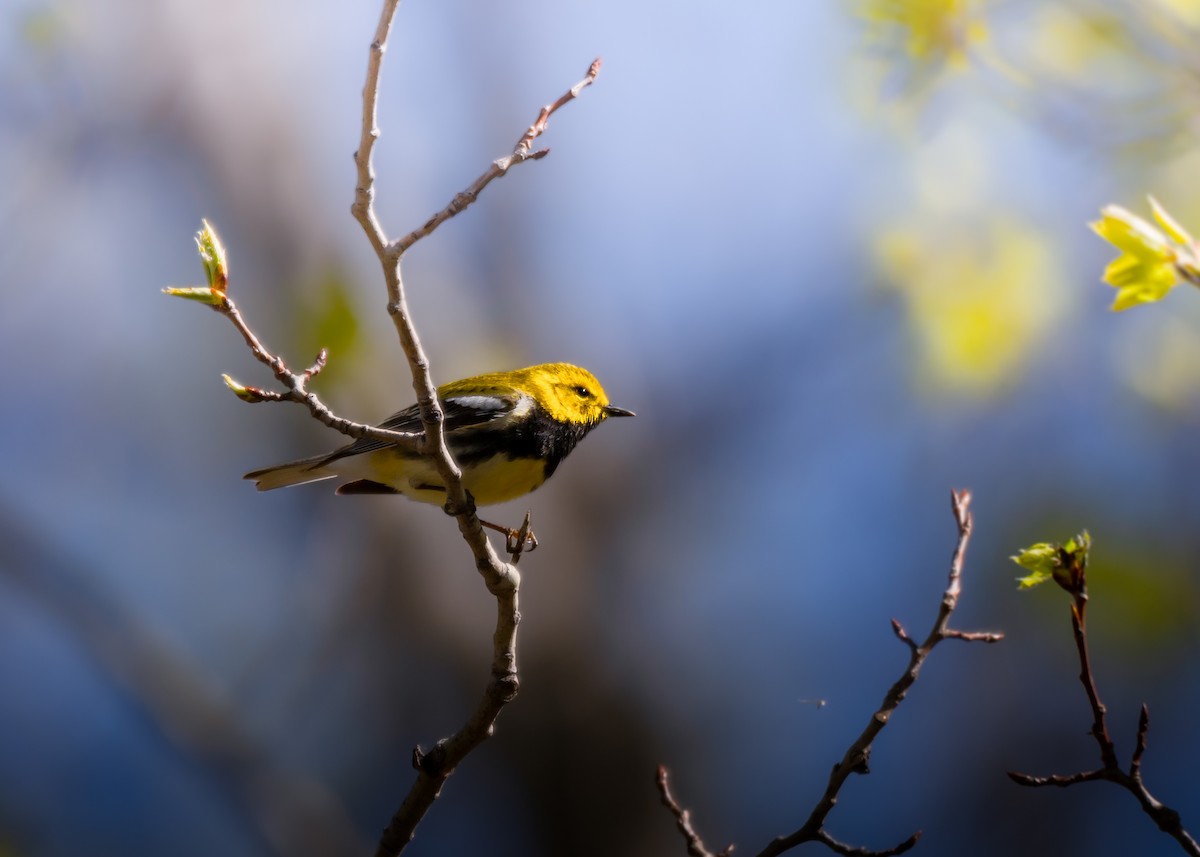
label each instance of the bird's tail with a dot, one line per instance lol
(292, 473)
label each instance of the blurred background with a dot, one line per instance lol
(835, 256)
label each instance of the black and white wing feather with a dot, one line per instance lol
(461, 413)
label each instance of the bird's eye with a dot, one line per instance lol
(583, 391)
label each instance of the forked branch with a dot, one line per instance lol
(522, 152)
(436, 765)
(502, 579)
(855, 759)
(1167, 819)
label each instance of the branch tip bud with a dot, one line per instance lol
(212, 254)
(246, 394)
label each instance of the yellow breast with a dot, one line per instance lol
(492, 481)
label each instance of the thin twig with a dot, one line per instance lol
(296, 386)
(520, 153)
(1167, 819)
(1139, 747)
(537, 128)
(1108, 751)
(1060, 780)
(902, 635)
(838, 847)
(856, 757)
(363, 207)
(683, 819)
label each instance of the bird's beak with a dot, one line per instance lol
(614, 411)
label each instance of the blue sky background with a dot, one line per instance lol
(753, 229)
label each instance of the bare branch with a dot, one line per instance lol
(695, 845)
(1139, 748)
(502, 579)
(1060, 780)
(363, 207)
(1167, 819)
(296, 385)
(975, 636)
(318, 365)
(856, 757)
(902, 635)
(851, 851)
(1108, 751)
(520, 153)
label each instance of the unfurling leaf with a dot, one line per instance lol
(203, 294)
(1065, 564)
(212, 254)
(1178, 233)
(246, 394)
(1151, 262)
(1039, 560)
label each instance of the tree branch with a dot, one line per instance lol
(683, 820)
(1167, 819)
(856, 757)
(296, 386)
(363, 207)
(519, 155)
(502, 579)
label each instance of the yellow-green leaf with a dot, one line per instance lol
(1039, 560)
(203, 294)
(1153, 286)
(212, 254)
(1147, 268)
(1065, 563)
(1031, 580)
(246, 394)
(1079, 544)
(1131, 234)
(1177, 232)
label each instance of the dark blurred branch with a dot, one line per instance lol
(1167, 819)
(289, 812)
(856, 757)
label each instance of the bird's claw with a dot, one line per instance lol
(517, 542)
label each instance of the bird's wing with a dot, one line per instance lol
(461, 412)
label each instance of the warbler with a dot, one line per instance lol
(508, 431)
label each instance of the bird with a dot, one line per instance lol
(508, 431)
